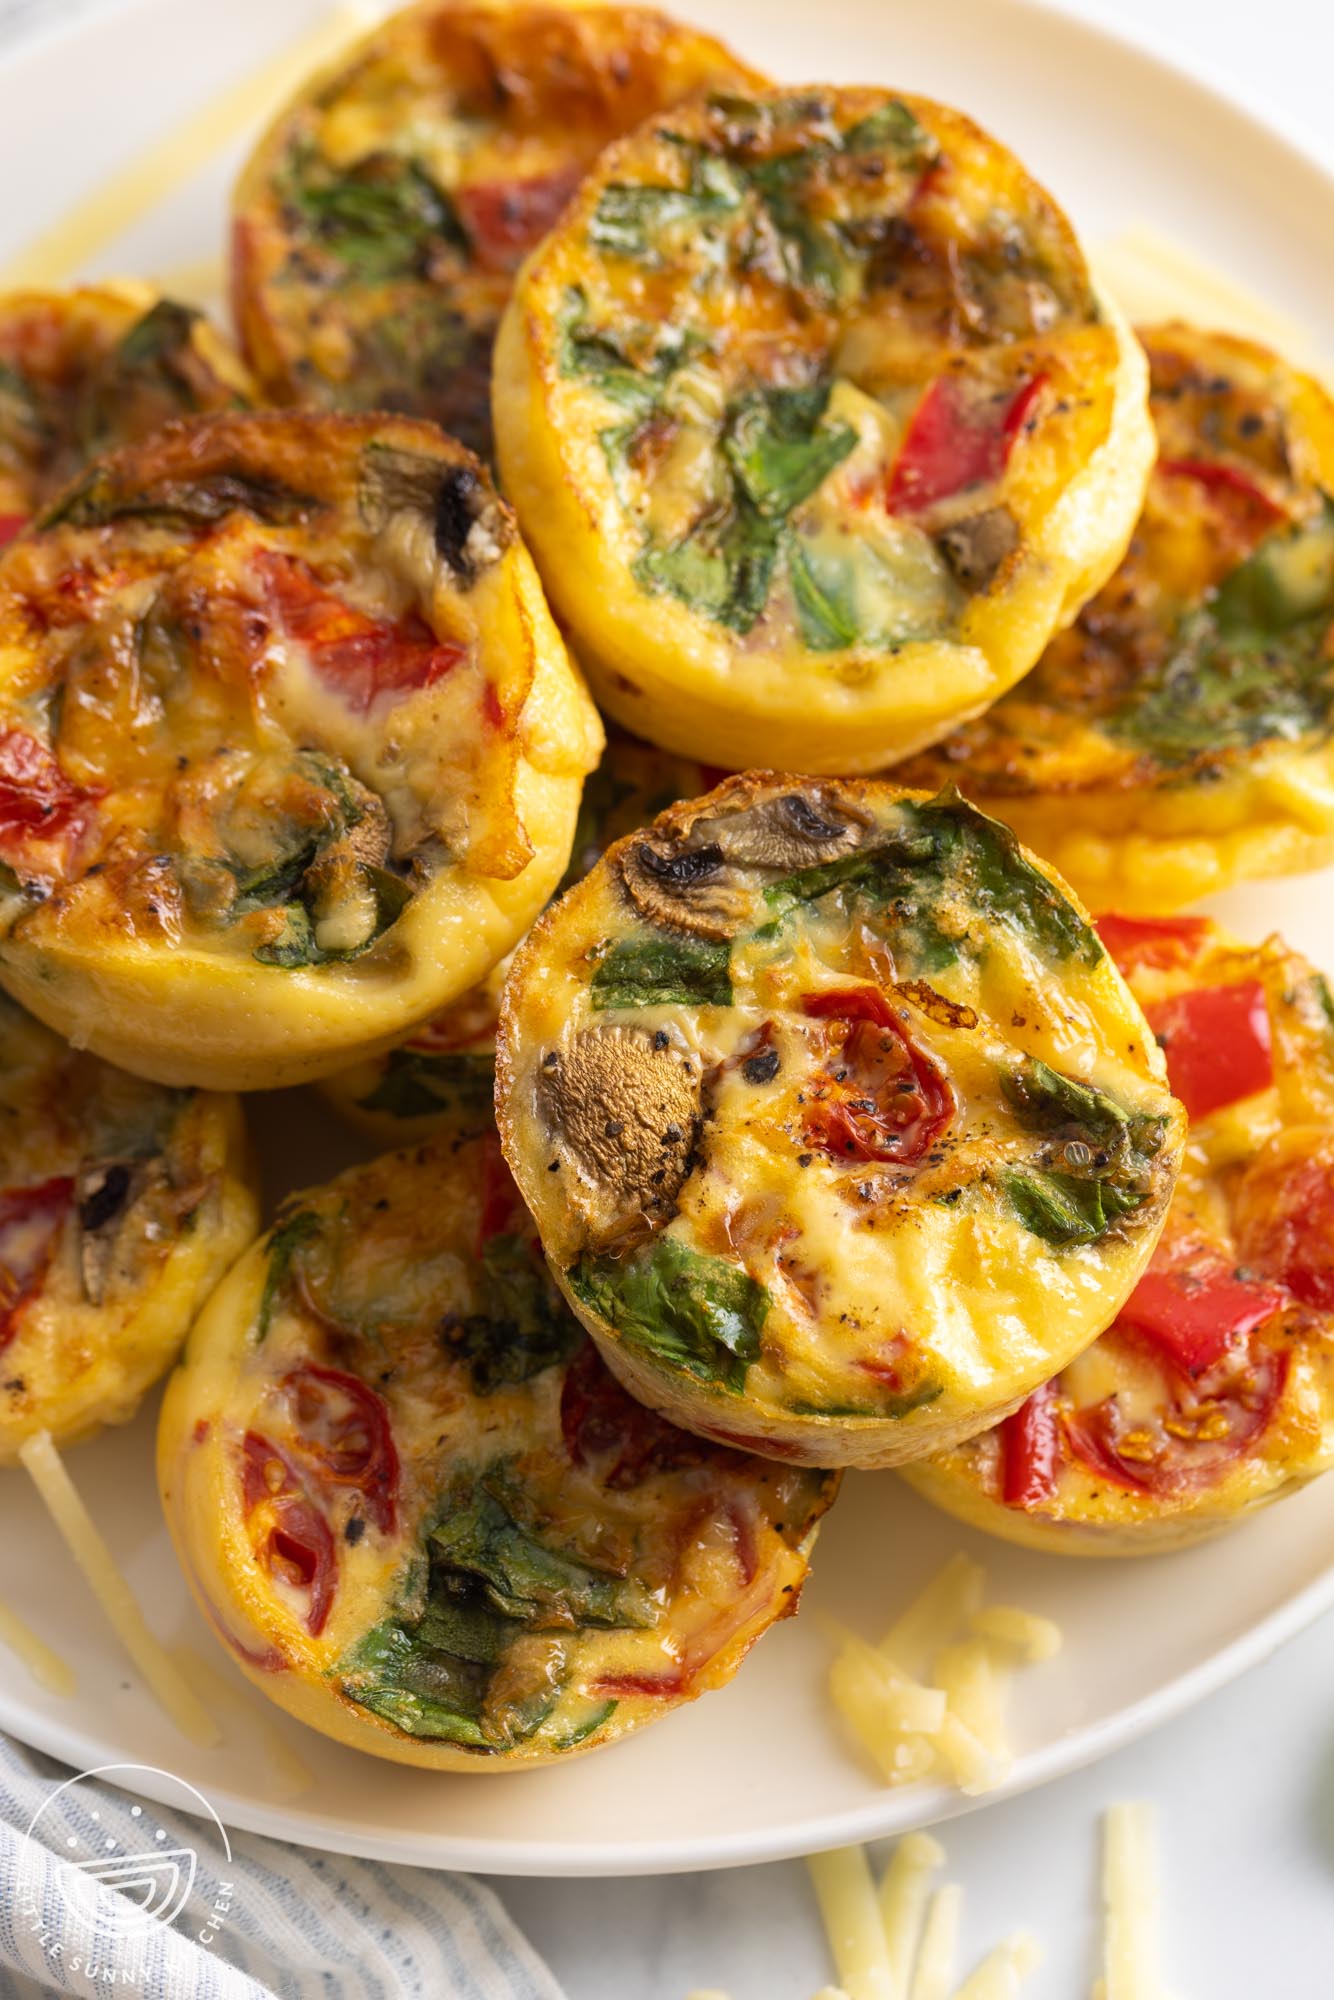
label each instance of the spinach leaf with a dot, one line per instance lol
(294, 946)
(422, 1690)
(884, 1406)
(826, 613)
(659, 972)
(1044, 1100)
(699, 1314)
(629, 219)
(478, 1539)
(722, 568)
(1252, 664)
(286, 1241)
(418, 1084)
(99, 497)
(781, 449)
(381, 219)
(1061, 1208)
(522, 1325)
(988, 871)
(892, 129)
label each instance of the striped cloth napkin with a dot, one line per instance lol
(297, 1923)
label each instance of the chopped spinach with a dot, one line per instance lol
(723, 567)
(287, 1239)
(1063, 1208)
(1096, 1164)
(521, 1326)
(893, 1406)
(697, 1313)
(892, 129)
(659, 972)
(473, 1652)
(1044, 1100)
(629, 219)
(381, 219)
(781, 449)
(826, 613)
(294, 945)
(101, 497)
(1251, 664)
(415, 1083)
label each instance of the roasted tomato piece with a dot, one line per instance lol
(31, 1219)
(504, 219)
(42, 814)
(878, 1097)
(298, 1545)
(343, 1428)
(361, 658)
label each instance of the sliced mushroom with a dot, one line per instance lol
(622, 1106)
(104, 1192)
(702, 872)
(470, 525)
(976, 546)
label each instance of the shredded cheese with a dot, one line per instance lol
(1131, 1968)
(845, 1891)
(1033, 1638)
(42, 1462)
(45, 1665)
(289, 1775)
(1004, 1970)
(934, 1616)
(60, 252)
(933, 1974)
(904, 1889)
(975, 1686)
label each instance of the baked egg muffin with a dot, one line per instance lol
(290, 749)
(837, 1121)
(1213, 1391)
(423, 1515)
(815, 425)
(378, 226)
(1180, 735)
(446, 1069)
(84, 371)
(121, 1205)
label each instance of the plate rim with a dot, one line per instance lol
(888, 1812)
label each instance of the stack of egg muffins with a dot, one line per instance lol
(760, 1097)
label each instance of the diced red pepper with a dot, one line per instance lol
(31, 1219)
(343, 1427)
(11, 525)
(1030, 1450)
(361, 658)
(1294, 1235)
(1193, 1306)
(42, 814)
(504, 219)
(299, 1544)
(503, 1212)
(1218, 478)
(957, 438)
(879, 1096)
(1152, 941)
(673, 1682)
(1217, 1042)
(605, 1429)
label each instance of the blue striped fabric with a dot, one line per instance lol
(298, 1923)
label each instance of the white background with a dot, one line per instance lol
(1245, 1784)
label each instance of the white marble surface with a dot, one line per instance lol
(1245, 1784)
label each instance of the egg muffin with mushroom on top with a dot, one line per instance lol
(837, 1120)
(290, 749)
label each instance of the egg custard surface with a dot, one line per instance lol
(290, 749)
(121, 1204)
(1180, 735)
(816, 425)
(84, 371)
(837, 1120)
(378, 226)
(446, 1069)
(420, 1511)
(1213, 1392)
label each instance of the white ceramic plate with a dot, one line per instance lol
(758, 1771)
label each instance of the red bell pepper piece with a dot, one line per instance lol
(361, 658)
(343, 1428)
(1152, 941)
(1216, 477)
(956, 439)
(30, 1223)
(504, 219)
(1218, 1044)
(11, 525)
(879, 1097)
(1030, 1450)
(1193, 1307)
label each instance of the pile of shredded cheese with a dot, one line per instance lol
(929, 1700)
(897, 1939)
